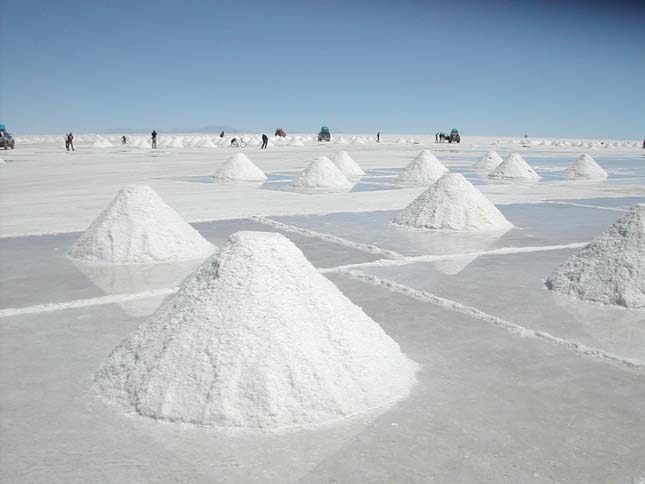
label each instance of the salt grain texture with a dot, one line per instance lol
(425, 168)
(453, 203)
(138, 227)
(321, 173)
(347, 165)
(611, 268)
(489, 161)
(514, 167)
(239, 168)
(585, 167)
(257, 338)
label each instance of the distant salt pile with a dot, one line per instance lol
(587, 168)
(101, 143)
(207, 143)
(489, 161)
(453, 203)
(611, 268)
(257, 338)
(347, 165)
(321, 173)
(176, 143)
(295, 141)
(138, 227)
(514, 167)
(239, 168)
(341, 141)
(425, 168)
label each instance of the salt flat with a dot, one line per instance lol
(496, 400)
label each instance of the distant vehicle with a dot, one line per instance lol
(324, 134)
(454, 136)
(6, 140)
(280, 132)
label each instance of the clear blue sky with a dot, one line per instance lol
(507, 68)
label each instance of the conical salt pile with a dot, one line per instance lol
(425, 168)
(347, 165)
(257, 338)
(611, 268)
(138, 227)
(514, 166)
(587, 168)
(239, 168)
(295, 141)
(321, 173)
(207, 143)
(453, 203)
(101, 143)
(489, 161)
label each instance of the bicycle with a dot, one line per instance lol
(238, 143)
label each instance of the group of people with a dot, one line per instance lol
(69, 142)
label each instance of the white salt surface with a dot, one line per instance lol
(257, 338)
(425, 168)
(138, 227)
(321, 173)
(453, 203)
(239, 168)
(514, 167)
(585, 167)
(347, 165)
(611, 269)
(489, 161)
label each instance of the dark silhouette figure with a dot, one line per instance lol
(265, 142)
(154, 139)
(70, 142)
(123, 140)
(221, 135)
(67, 141)
(378, 137)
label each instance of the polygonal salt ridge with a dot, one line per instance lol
(239, 168)
(321, 173)
(257, 338)
(453, 203)
(425, 168)
(611, 268)
(138, 227)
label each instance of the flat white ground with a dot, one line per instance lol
(518, 385)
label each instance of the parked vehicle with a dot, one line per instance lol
(324, 134)
(6, 140)
(454, 136)
(280, 132)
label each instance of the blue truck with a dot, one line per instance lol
(6, 140)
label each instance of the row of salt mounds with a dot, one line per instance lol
(611, 268)
(257, 338)
(585, 167)
(425, 168)
(239, 168)
(514, 167)
(347, 165)
(101, 143)
(321, 173)
(453, 203)
(138, 227)
(489, 161)
(207, 143)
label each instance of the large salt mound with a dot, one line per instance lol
(321, 173)
(347, 165)
(239, 168)
(611, 268)
(425, 168)
(138, 227)
(257, 338)
(453, 203)
(585, 167)
(489, 161)
(514, 166)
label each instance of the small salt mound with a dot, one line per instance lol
(401, 140)
(176, 143)
(207, 144)
(144, 143)
(514, 166)
(138, 227)
(347, 165)
(585, 167)
(611, 268)
(453, 203)
(425, 168)
(359, 141)
(239, 168)
(101, 143)
(489, 161)
(321, 173)
(296, 142)
(341, 141)
(257, 338)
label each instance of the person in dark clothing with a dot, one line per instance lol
(67, 141)
(221, 135)
(123, 140)
(436, 137)
(265, 142)
(154, 139)
(70, 142)
(378, 137)
(644, 144)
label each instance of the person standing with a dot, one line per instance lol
(70, 142)
(221, 135)
(67, 141)
(265, 142)
(123, 140)
(378, 137)
(154, 138)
